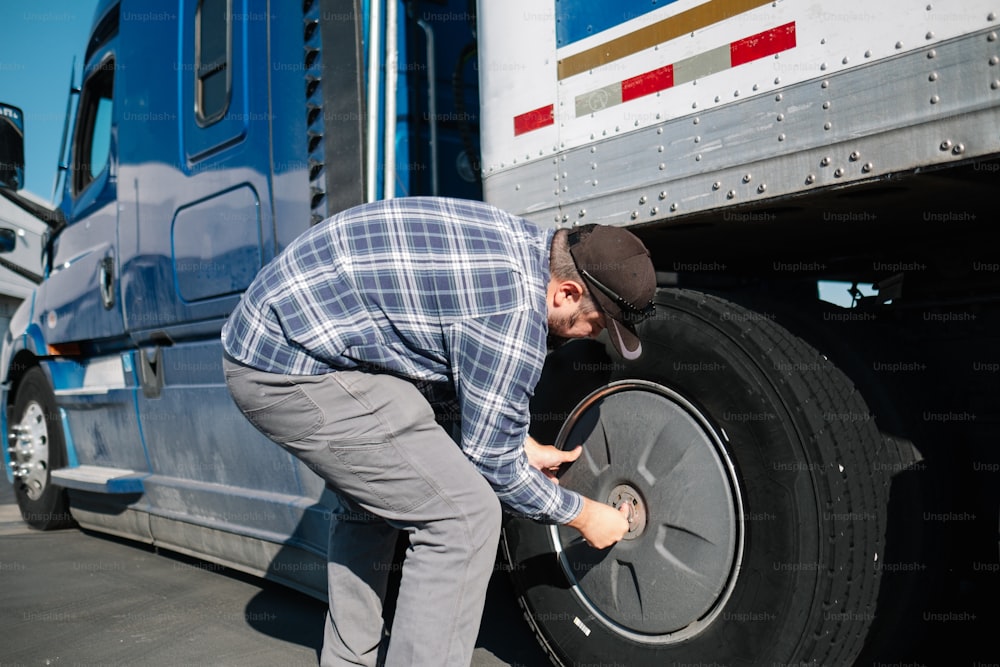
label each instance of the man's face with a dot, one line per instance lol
(569, 322)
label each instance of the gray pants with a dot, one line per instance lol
(374, 440)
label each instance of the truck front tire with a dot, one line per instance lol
(38, 447)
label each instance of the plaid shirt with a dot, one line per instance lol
(449, 294)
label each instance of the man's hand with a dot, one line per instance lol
(601, 525)
(547, 458)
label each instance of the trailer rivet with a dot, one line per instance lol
(868, 166)
(991, 17)
(697, 139)
(992, 37)
(994, 61)
(636, 123)
(827, 125)
(781, 137)
(761, 188)
(935, 99)
(565, 218)
(717, 98)
(825, 84)
(696, 120)
(663, 195)
(642, 199)
(845, 60)
(781, 117)
(899, 45)
(635, 214)
(731, 194)
(855, 155)
(582, 212)
(958, 149)
(945, 145)
(932, 54)
(929, 35)
(868, 54)
(995, 84)
(779, 96)
(825, 162)
(654, 210)
(826, 105)
(746, 178)
(933, 76)
(659, 149)
(838, 172)
(716, 185)
(674, 206)
(810, 179)
(822, 67)
(697, 158)
(663, 166)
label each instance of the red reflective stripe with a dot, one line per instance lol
(534, 120)
(648, 83)
(763, 44)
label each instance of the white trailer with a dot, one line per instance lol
(817, 482)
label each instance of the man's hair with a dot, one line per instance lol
(562, 267)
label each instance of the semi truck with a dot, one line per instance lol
(809, 442)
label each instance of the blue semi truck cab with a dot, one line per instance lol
(205, 137)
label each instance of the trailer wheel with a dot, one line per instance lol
(37, 448)
(749, 461)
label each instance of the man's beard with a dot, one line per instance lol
(560, 323)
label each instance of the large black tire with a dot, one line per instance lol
(39, 448)
(761, 508)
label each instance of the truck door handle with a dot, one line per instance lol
(107, 282)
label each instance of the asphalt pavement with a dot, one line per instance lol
(81, 599)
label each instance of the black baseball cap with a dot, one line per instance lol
(620, 276)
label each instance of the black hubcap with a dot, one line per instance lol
(649, 448)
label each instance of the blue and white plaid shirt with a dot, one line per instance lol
(449, 294)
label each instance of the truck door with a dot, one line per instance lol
(79, 300)
(196, 224)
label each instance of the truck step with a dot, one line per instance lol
(99, 479)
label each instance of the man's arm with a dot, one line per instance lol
(496, 361)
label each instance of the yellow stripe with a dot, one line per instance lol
(693, 19)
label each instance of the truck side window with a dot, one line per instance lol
(213, 46)
(92, 145)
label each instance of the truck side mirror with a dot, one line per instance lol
(8, 239)
(11, 148)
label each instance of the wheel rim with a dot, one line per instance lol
(30, 451)
(647, 446)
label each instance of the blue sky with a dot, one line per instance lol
(38, 41)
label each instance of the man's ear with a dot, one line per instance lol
(568, 291)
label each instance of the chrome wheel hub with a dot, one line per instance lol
(29, 451)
